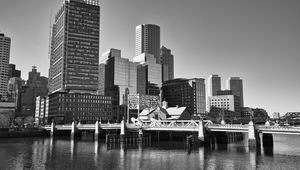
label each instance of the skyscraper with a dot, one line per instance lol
(214, 84)
(74, 58)
(12, 72)
(4, 62)
(147, 40)
(186, 93)
(236, 85)
(120, 73)
(167, 61)
(148, 74)
(36, 86)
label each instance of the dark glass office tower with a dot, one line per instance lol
(188, 93)
(236, 85)
(75, 47)
(167, 62)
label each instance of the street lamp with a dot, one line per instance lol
(127, 103)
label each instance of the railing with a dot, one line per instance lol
(168, 123)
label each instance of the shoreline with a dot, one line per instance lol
(24, 132)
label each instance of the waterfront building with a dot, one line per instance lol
(4, 65)
(226, 107)
(167, 62)
(147, 40)
(41, 110)
(84, 107)
(148, 74)
(7, 113)
(13, 72)
(171, 113)
(236, 85)
(213, 84)
(188, 93)
(74, 59)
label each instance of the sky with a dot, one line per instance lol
(257, 40)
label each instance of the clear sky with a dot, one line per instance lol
(257, 40)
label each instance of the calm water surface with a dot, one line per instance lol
(60, 153)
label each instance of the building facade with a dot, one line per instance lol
(236, 85)
(13, 72)
(83, 107)
(14, 89)
(41, 110)
(213, 84)
(36, 85)
(147, 40)
(4, 65)
(74, 57)
(224, 92)
(149, 77)
(120, 74)
(188, 93)
(167, 62)
(224, 107)
(101, 79)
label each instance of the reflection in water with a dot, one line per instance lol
(96, 150)
(201, 158)
(56, 153)
(252, 159)
(72, 148)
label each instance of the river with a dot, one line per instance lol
(86, 154)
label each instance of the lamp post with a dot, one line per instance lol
(127, 103)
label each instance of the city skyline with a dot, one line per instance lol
(257, 41)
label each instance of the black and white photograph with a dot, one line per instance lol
(149, 84)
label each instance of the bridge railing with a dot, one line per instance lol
(279, 128)
(169, 123)
(231, 126)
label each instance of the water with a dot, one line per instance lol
(62, 153)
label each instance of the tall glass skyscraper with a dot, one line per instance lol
(235, 84)
(148, 74)
(120, 74)
(147, 40)
(214, 84)
(4, 62)
(75, 47)
(167, 61)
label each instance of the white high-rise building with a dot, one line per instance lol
(147, 40)
(4, 63)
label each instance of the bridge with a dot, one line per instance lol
(179, 125)
(199, 126)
